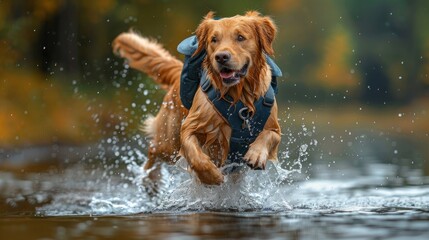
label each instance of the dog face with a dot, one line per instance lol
(235, 46)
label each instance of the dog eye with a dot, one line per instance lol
(214, 39)
(240, 38)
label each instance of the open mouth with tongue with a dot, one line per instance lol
(231, 77)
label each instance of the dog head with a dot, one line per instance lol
(235, 48)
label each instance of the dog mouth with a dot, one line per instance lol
(231, 77)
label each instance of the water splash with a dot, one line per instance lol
(180, 190)
(117, 187)
(247, 190)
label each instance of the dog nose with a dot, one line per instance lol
(222, 57)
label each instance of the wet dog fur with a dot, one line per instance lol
(236, 66)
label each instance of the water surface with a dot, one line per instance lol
(87, 200)
(328, 184)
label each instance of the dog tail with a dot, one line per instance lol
(149, 57)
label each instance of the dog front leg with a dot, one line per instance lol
(199, 162)
(264, 147)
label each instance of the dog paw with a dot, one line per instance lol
(151, 179)
(256, 159)
(211, 175)
(151, 186)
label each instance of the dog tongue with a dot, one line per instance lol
(226, 75)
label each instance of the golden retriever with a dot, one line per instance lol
(201, 135)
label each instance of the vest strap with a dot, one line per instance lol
(245, 128)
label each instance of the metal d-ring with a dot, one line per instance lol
(240, 114)
(246, 122)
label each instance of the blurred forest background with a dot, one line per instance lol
(345, 63)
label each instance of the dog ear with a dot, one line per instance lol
(202, 32)
(267, 31)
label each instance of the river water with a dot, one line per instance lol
(309, 194)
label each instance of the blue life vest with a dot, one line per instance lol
(245, 128)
